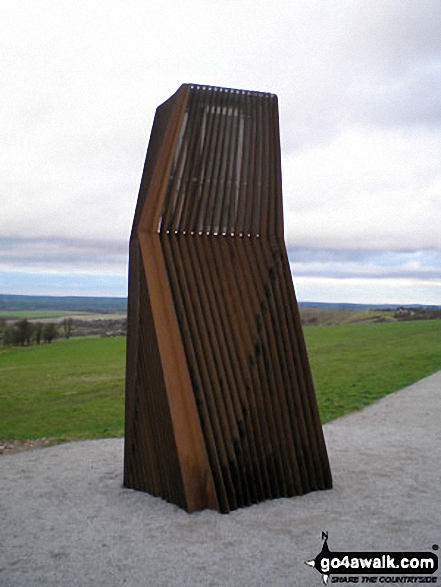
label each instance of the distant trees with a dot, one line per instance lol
(38, 332)
(67, 327)
(20, 333)
(26, 332)
(7, 336)
(50, 331)
(23, 333)
(418, 313)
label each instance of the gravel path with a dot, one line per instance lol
(66, 520)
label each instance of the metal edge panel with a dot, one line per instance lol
(192, 454)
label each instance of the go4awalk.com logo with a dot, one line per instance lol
(375, 567)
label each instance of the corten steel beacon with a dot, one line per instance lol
(221, 411)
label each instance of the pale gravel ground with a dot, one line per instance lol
(66, 520)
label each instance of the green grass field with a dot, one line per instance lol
(69, 389)
(356, 364)
(75, 388)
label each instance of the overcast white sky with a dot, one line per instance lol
(359, 87)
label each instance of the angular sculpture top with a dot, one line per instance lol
(220, 405)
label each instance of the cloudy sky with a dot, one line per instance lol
(359, 87)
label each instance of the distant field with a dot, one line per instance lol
(98, 316)
(332, 317)
(71, 303)
(35, 314)
(59, 315)
(310, 316)
(75, 388)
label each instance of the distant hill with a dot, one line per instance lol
(68, 303)
(359, 307)
(106, 304)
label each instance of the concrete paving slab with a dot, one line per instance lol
(66, 520)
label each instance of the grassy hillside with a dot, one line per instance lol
(356, 364)
(71, 388)
(75, 388)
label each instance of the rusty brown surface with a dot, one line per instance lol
(220, 404)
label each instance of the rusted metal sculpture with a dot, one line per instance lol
(220, 405)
